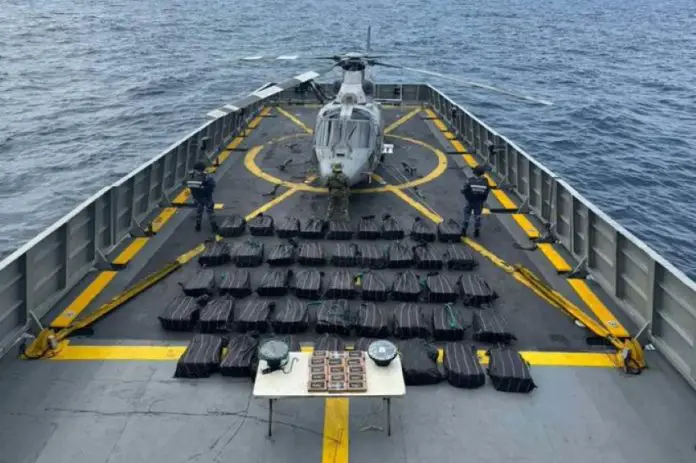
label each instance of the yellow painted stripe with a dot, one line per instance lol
(403, 119)
(449, 135)
(552, 255)
(504, 199)
(434, 216)
(163, 217)
(470, 161)
(255, 122)
(219, 206)
(127, 254)
(83, 300)
(271, 203)
(440, 125)
(430, 113)
(458, 146)
(182, 197)
(336, 431)
(295, 120)
(600, 310)
(236, 141)
(266, 111)
(173, 352)
(525, 224)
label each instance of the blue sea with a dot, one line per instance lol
(89, 90)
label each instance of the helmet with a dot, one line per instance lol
(337, 167)
(479, 171)
(199, 166)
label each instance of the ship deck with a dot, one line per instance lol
(110, 394)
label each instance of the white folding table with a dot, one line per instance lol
(385, 382)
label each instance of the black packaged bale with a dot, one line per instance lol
(490, 327)
(216, 315)
(448, 323)
(254, 315)
(410, 322)
(475, 291)
(462, 366)
(201, 357)
(329, 342)
(181, 314)
(232, 226)
(374, 288)
(339, 230)
(449, 231)
(372, 256)
(399, 256)
(460, 257)
(281, 254)
(202, 283)
(311, 254)
(372, 321)
(261, 225)
(341, 285)
(440, 288)
(291, 317)
(289, 227)
(241, 356)
(419, 362)
(249, 254)
(313, 228)
(345, 255)
(307, 284)
(509, 372)
(422, 230)
(368, 228)
(274, 283)
(391, 228)
(215, 254)
(426, 257)
(334, 317)
(236, 283)
(406, 287)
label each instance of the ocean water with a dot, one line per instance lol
(89, 90)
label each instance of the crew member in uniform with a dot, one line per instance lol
(339, 190)
(202, 186)
(476, 192)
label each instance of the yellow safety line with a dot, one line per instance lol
(266, 111)
(449, 135)
(130, 252)
(255, 122)
(174, 352)
(552, 255)
(336, 431)
(163, 217)
(580, 286)
(600, 310)
(83, 300)
(271, 203)
(440, 125)
(402, 120)
(295, 120)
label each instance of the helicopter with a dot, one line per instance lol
(349, 128)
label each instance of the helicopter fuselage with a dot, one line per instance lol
(349, 131)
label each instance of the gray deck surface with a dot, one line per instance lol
(117, 411)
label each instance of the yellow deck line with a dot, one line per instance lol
(163, 217)
(271, 203)
(127, 254)
(449, 135)
(255, 122)
(552, 255)
(440, 125)
(336, 431)
(458, 146)
(598, 308)
(526, 225)
(295, 120)
(172, 353)
(81, 302)
(430, 113)
(402, 120)
(266, 111)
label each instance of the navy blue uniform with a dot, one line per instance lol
(202, 186)
(476, 192)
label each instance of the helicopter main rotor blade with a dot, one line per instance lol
(466, 82)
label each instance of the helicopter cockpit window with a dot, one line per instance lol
(332, 131)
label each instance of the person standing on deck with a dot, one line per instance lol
(476, 192)
(202, 186)
(339, 190)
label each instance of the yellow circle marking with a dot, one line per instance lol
(250, 164)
